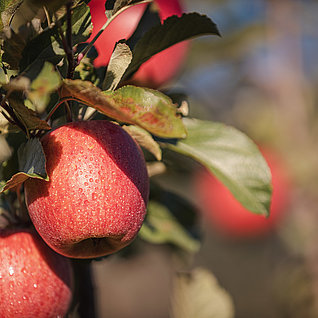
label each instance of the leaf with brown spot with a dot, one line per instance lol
(144, 107)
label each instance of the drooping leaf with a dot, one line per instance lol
(232, 157)
(27, 117)
(198, 294)
(145, 140)
(173, 30)
(147, 108)
(45, 83)
(161, 227)
(117, 66)
(31, 165)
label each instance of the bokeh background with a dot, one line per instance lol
(261, 78)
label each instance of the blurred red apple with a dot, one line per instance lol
(228, 216)
(95, 201)
(34, 280)
(162, 67)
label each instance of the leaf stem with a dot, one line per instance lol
(57, 105)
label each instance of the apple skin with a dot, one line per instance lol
(34, 280)
(158, 70)
(95, 201)
(225, 214)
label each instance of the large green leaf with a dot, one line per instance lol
(173, 30)
(232, 157)
(147, 108)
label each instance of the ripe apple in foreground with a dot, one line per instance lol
(34, 280)
(95, 201)
(228, 216)
(158, 70)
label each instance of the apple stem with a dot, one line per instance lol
(84, 288)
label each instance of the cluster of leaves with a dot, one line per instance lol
(45, 64)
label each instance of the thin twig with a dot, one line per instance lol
(47, 17)
(67, 41)
(11, 117)
(81, 54)
(70, 54)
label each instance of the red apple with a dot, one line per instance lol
(228, 216)
(95, 201)
(162, 67)
(34, 280)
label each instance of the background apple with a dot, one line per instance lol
(34, 280)
(228, 216)
(95, 201)
(162, 67)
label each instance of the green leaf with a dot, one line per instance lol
(173, 30)
(162, 227)
(117, 66)
(31, 165)
(147, 108)
(47, 46)
(3, 77)
(43, 85)
(232, 157)
(27, 117)
(198, 294)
